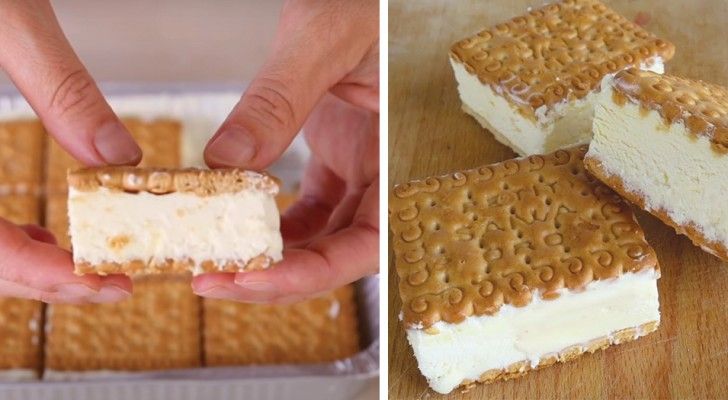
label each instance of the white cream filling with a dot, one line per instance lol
(667, 165)
(108, 226)
(478, 344)
(565, 124)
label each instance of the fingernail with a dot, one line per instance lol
(74, 290)
(115, 144)
(110, 294)
(214, 292)
(256, 286)
(233, 147)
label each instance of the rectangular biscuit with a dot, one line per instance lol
(20, 319)
(172, 220)
(320, 330)
(662, 143)
(517, 265)
(160, 141)
(21, 156)
(56, 218)
(157, 328)
(531, 80)
(20, 209)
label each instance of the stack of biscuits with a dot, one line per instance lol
(163, 325)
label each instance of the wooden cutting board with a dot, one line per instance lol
(428, 134)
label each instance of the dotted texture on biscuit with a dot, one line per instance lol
(20, 333)
(20, 209)
(19, 318)
(701, 106)
(21, 154)
(157, 328)
(319, 330)
(469, 242)
(558, 52)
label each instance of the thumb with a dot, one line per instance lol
(44, 67)
(316, 45)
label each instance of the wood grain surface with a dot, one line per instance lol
(428, 134)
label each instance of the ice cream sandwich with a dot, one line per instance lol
(517, 265)
(662, 142)
(532, 81)
(152, 220)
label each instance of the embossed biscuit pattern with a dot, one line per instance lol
(558, 52)
(468, 242)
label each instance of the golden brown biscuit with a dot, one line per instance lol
(20, 209)
(157, 328)
(313, 331)
(469, 242)
(20, 319)
(21, 156)
(20, 325)
(160, 181)
(558, 52)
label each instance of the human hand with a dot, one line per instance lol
(323, 72)
(40, 61)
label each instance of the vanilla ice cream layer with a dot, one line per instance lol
(566, 124)
(113, 226)
(452, 353)
(671, 168)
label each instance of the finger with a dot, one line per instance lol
(37, 270)
(292, 80)
(363, 96)
(44, 67)
(327, 263)
(361, 87)
(39, 233)
(321, 190)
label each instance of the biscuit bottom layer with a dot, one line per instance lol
(664, 169)
(112, 229)
(568, 124)
(516, 339)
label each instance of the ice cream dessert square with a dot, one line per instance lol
(159, 140)
(20, 319)
(323, 329)
(157, 328)
(21, 156)
(662, 142)
(517, 265)
(531, 81)
(172, 220)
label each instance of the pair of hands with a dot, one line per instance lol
(322, 75)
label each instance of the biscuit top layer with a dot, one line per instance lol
(701, 106)
(467, 243)
(555, 53)
(202, 182)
